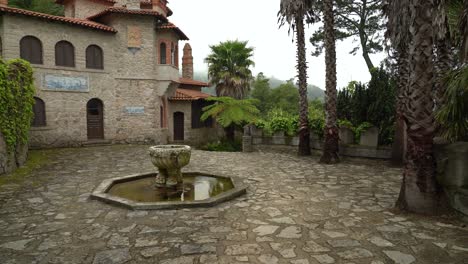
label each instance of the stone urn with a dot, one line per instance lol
(169, 159)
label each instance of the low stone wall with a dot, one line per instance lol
(254, 140)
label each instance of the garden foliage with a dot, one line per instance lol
(372, 103)
(16, 101)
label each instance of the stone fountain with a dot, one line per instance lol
(169, 188)
(169, 159)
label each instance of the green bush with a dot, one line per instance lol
(361, 128)
(346, 123)
(452, 117)
(16, 101)
(279, 120)
(317, 125)
(223, 146)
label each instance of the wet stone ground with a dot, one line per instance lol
(296, 211)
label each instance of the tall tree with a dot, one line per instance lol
(420, 192)
(398, 19)
(294, 12)
(357, 19)
(330, 148)
(229, 68)
(42, 6)
(261, 92)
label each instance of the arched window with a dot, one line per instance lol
(172, 54)
(94, 57)
(162, 53)
(64, 54)
(39, 118)
(31, 49)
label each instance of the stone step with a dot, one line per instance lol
(96, 142)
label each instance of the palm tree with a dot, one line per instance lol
(229, 68)
(420, 192)
(294, 12)
(330, 148)
(397, 12)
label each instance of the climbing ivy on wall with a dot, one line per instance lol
(16, 101)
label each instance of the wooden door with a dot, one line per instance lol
(178, 126)
(95, 119)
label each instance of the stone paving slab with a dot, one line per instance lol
(296, 211)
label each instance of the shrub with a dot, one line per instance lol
(224, 146)
(317, 125)
(279, 120)
(361, 128)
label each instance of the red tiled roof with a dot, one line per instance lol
(188, 95)
(193, 82)
(179, 32)
(69, 20)
(123, 10)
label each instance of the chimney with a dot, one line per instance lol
(187, 63)
(3, 2)
(160, 6)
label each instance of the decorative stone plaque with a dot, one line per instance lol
(134, 37)
(55, 82)
(135, 110)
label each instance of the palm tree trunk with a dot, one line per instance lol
(330, 149)
(420, 192)
(304, 132)
(399, 144)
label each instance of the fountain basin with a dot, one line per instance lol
(140, 192)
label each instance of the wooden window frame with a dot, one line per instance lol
(95, 60)
(31, 57)
(162, 53)
(61, 54)
(39, 119)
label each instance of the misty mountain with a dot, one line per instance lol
(313, 91)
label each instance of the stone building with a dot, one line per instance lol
(107, 72)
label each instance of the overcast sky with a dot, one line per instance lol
(208, 22)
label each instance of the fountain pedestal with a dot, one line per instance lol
(169, 159)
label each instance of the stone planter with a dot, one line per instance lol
(455, 175)
(370, 137)
(346, 136)
(279, 138)
(257, 132)
(456, 171)
(294, 141)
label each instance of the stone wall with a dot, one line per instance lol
(254, 140)
(85, 8)
(132, 77)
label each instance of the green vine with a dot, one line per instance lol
(16, 101)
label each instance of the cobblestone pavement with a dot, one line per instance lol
(296, 211)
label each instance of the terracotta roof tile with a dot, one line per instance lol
(188, 95)
(69, 20)
(193, 82)
(123, 10)
(170, 25)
